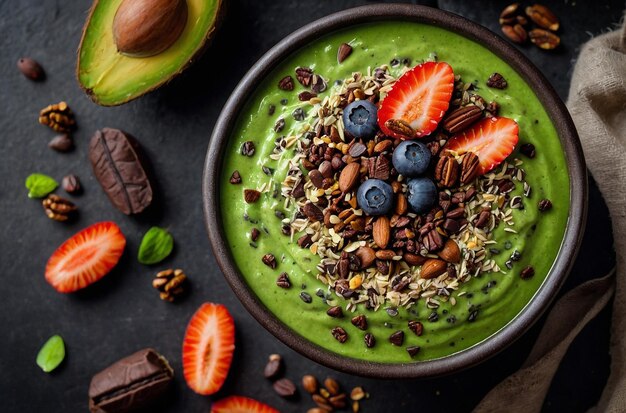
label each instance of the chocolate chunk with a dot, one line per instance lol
(119, 167)
(131, 383)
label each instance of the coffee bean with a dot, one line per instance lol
(274, 367)
(61, 143)
(284, 387)
(71, 184)
(31, 69)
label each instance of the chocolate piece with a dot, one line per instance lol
(120, 169)
(130, 383)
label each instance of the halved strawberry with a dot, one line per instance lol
(208, 348)
(491, 139)
(419, 98)
(86, 257)
(240, 404)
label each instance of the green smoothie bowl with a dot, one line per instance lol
(394, 191)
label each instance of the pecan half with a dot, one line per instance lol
(57, 208)
(515, 33)
(461, 118)
(400, 127)
(469, 168)
(544, 39)
(170, 284)
(543, 17)
(447, 171)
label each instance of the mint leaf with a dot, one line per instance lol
(155, 246)
(51, 354)
(40, 185)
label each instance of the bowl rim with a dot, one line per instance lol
(553, 105)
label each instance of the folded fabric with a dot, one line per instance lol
(597, 102)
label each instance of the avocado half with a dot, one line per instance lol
(111, 78)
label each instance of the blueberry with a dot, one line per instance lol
(360, 119)
(422, 194)
(375, 197)
(411, 158)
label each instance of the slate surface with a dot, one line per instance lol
(122, 313)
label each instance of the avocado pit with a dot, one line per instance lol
(143, 28)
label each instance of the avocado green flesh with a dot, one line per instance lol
(539, 235)
(112, 78)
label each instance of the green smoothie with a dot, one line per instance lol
(480, 307)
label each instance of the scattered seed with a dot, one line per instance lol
(286, 83)
(360, 322)
(235, 178)
(527, 273)
(370, 341)
(545, 205)
(248, 148)
(397, 338)
(306, 297)
(269, 260)
(283, 280)
(413, 350)
(416, 327)
(335, 312)
(339, 334)
(497, 81)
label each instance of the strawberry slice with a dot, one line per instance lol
(418, 99)
(208, 348)
(491, 139)
(240, 404)
(86, 257)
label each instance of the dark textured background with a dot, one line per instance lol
(122, 313)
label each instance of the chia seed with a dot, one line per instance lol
(284, 101)
(433, 317)
(508, 245)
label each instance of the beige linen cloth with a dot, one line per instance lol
(597, 102)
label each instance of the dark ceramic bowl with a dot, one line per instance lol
(552, 104)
